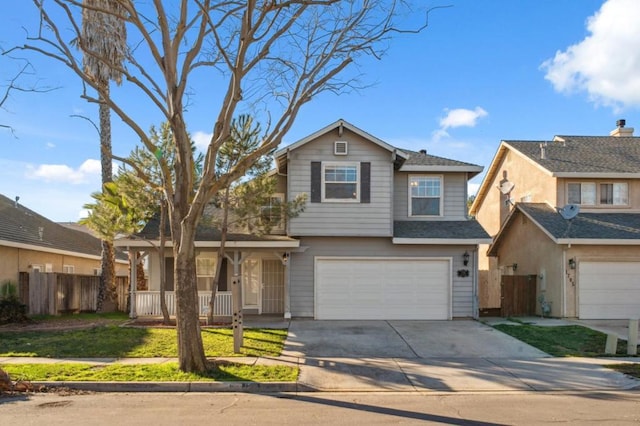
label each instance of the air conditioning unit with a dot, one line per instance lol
(340, 148)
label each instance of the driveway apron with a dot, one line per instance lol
(433, 356)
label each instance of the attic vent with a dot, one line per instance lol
(340, 148)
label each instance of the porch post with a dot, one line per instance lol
(236, 296)
(132, 282)
(286, 259)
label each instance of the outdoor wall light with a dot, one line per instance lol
(465, 258)
(572, 263)
(285, 258)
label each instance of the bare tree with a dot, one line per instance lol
(271, 54)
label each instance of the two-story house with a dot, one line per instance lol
(566, 211)
(384, 235)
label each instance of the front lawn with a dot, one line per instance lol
(569, 340)
(129, 342)
(166, 372)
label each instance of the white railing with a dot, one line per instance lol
(148, 303)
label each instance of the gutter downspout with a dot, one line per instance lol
(563, 296)
(476, 311)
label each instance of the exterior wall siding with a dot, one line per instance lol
(342, 218)
(454, 196)
(302, 267)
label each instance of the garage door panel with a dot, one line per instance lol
(382, 288)
(609, 290)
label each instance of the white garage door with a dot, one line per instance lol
(382, 288)
(609, 290)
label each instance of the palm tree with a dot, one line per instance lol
(104, 47)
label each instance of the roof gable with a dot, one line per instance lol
(342, 124)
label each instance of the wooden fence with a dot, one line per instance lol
(51, 293)
(518, 295)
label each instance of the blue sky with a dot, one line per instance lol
(482, 72)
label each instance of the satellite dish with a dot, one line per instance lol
(506, 187)
(509, 201)
(569, 211)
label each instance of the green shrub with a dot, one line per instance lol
(11, 309)
(7, 289)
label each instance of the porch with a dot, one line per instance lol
(148, 303)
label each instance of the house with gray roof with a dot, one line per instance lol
(567, 212)
(29, 242)
(384, 235)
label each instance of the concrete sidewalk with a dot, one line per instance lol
(387, 374)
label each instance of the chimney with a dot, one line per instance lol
(423, 151)
(620, 130)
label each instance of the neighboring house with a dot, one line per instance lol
(384, 235)
(587, 266)
(29, 241)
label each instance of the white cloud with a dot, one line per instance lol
(459, 117)
(63, 173)
(201, 140)
(50, 145)
(606, 64)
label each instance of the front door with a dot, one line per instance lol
(251, 284)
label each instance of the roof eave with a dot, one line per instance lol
(441, 241)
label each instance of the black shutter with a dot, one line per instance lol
(365, 182)
(316, 182)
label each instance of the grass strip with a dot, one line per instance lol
(166, 372)
(569, 340)
(629, 369)
(130, 342)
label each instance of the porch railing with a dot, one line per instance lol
(148, 303)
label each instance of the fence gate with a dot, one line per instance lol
(518, 295)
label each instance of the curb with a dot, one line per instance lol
(243, 387)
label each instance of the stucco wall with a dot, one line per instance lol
(14, 260)
(534, 253)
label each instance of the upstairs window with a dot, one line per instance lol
(272, 213)
(583, 193)
(205, 272)
(604, 194)
(68, 269)
(616, 194)
(425, 196)
(340, 182)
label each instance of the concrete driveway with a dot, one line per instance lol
(403, 339)
(433, 356)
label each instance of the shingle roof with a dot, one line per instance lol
(598, 226)
(206, 232)
(454, 230)
(18, 224)
(584, 154)
(421, 159)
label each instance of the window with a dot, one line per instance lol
(616, 194)
(340, 181)
(425, 196)
(205, 271)
(68, 269)
(272, 214)
(48, 267)
(590, 194)
(37, 268)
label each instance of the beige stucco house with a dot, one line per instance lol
(29, 242)
(587, 265)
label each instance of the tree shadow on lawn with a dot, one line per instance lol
(98, 342)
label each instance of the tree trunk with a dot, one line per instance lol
(223, 239)
(190, 349)
(107, 284)
(163, 270)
